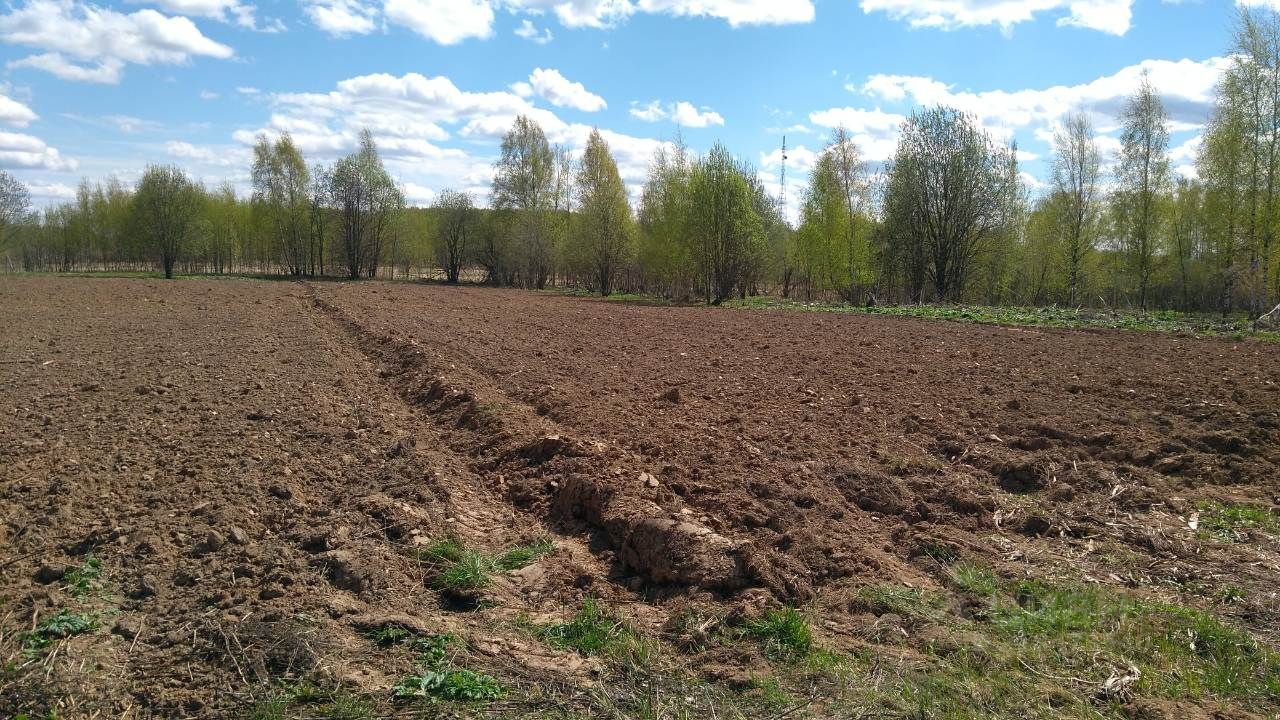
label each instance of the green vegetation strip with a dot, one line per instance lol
(1054, 317)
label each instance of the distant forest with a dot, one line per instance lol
(947, 219)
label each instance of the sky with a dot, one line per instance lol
(91, 90)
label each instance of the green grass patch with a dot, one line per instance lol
(1235, 523)
(457, 568)
(785, 634)
(901, 600)
(307, 700)
(592, 630)
(523, 556)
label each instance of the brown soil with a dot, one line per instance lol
(254, 464)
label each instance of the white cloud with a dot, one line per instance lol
(1109, 16)
(682, 113)
(447, 22)
(69, 31)
(45, 193)
(604, 13)
(229, 11)
(528, 31)
(561, 92)
(130, 124)
(19, 150)
(15, 113)
(341, 17)
(248, 90)
(451, 21)
(408, 116)
(208, 95)
(219, 157)
(1186, 87)
(875, 132)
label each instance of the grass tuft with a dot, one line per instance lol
(785, 632)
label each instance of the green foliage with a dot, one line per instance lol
(437, 680)
(453, 685)
(389, 635)
(1235, 523)
(63, 624)
(785, 633)
(84, 578)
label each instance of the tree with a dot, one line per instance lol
(948, 195)
(456, 226)
(1142, 179)
(832, 250)
(15, 205)
(281, 189)
(724, 230)
(665, 262)
(1077, 168)
(165, 206)
(603, 234)
(366, 198)
(524, 181)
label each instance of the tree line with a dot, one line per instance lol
(949, 218)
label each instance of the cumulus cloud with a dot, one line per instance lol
(1185, 86)
(15, 113)
(451, 21)
(412, 116)
(447, 22)
(229, 11)
(87, 43)
(1108, 16)
(19, 150)
(874, 131)
(341, 17)
(560, 91)
(681, 112)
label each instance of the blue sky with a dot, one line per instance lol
(96, 89)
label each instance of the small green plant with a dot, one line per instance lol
(433, 650)
(522, 556)
(389, 635)
(785, 632)
(454, 685)
(84, 578)
(1232, 594)
(1234, 523)
(55, 627)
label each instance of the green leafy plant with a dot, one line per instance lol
(84, 578)
(454, 685)
(55, 627)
